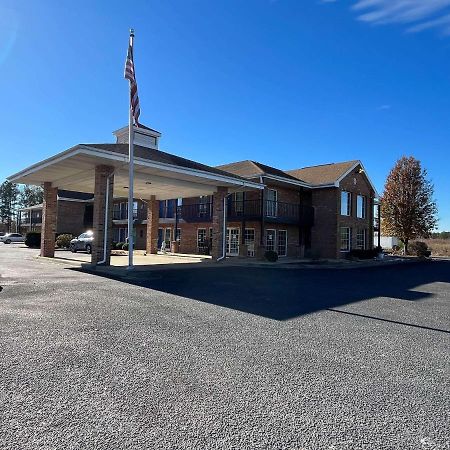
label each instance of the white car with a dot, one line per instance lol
(8, 238)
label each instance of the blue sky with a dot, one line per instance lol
(289, 83)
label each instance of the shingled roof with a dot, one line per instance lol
(162, 157)
(324, 174)
(251, 169)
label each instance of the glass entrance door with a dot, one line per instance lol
(232, 241)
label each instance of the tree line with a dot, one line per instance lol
(14, 197)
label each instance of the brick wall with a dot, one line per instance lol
(357, 184)
(324, 233)
(70, 217)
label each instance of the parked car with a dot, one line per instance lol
(9, 238)
(83, 242)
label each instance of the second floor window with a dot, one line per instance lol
(361, 207)
(346, 203)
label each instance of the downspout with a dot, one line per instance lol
(105, 236)
(224, 229)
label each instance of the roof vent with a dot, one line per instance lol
(143, 136)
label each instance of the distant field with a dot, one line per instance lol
(439, 247)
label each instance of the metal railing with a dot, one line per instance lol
(201, 212)
(138, 214)
(274, 211)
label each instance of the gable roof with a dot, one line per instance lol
(162, 157)
(251, 169)
(323, 174)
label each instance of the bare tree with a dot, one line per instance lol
(408, 209)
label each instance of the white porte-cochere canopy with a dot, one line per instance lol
(157, 173)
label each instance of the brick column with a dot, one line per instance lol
(152, 225)
(49, 213)
(101, 177)
(217, 221)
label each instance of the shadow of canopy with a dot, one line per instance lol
(283, 294)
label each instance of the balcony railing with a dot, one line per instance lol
(274, 211)
(281, 212)
(35, 219)
(197, 212)
(138, 214)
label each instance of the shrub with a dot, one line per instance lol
(271, 255)
(419, 248)
(63, 240)
(119, 245)
(33, 239)
(125, 246)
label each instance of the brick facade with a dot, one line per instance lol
(102, 173)
(152, 225)
(217, 222)
(49, 215)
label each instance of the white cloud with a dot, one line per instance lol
(417, 15)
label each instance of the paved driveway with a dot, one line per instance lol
(223, 358)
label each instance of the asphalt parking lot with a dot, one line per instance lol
(224, 357)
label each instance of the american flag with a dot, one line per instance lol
(130, 75)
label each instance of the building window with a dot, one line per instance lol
(249, 240)
(345, 239)
(282, 243)
(120, 234)
(361, 236)
(361, 207)
(168, 236)
(270, 240)
(204, 206)
(272, 203)
(201, 236)
(238, 198)
(346, 203)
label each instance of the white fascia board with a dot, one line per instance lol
(358, 163)
(286, 180)
(327, 185)
(175, 169)
(92, 151)
(65, 199)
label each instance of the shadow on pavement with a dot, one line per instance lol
(285, 294)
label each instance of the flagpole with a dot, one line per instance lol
(130, 176)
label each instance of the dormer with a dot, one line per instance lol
(143, 136)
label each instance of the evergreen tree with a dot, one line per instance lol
(9, 196)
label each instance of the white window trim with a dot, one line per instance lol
(278, 237)
(349, 204)
(349, 239)
(274, 240)
(201, 229)
(364, 230)
(364, 206)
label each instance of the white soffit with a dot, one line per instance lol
(74, 170)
